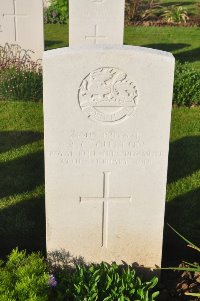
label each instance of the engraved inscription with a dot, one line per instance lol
(15, 16)
(105, 200)
(108, 95)
(95, 37)
(1, 28)
(106, 148)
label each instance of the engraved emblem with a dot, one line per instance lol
(108, 95)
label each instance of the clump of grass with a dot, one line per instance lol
(186, 85)
(189, 283)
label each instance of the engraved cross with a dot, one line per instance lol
(105, 200)
(96, 36)
(15, 16)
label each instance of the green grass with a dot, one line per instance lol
(189, 5)
(56, 35)
(22, 218)
(182, 42)
(183, 189)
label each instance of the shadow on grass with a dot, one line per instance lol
(189, 56)
(23, 225)
(21, 175)
(183, 214)
(184, 158)
(167, 47)
(192, 55)
(13, 139)
(53, 44)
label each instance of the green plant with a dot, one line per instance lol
(57, 12)
(17, 84)
(140, 10)
(24, 278)
(186, 85)
(190, 269)
(176, 14)
(132, 9)
(20, 77)
(104, 282)
(12, 55)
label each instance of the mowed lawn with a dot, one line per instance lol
(22, 206)
(22, 214)
(183, 42)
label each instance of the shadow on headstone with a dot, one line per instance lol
(64, 260)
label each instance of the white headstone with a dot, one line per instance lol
(96, 22)
(107, 122)
(21, 22)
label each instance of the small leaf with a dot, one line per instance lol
(193, 294)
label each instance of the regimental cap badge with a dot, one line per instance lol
(107, 95)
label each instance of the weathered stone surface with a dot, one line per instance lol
(107, 122)
(21, 22)
(96, 22)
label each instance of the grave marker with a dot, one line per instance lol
(22, 23)
(96, 22)
(107, 117)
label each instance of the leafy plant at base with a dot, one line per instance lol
(104, 282)
(188, 267)
(186, 85)
(24, 277)
(57, 12)
(176, 14)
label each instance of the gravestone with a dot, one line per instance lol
(96, 22)
(107, 122)
(21, 22)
